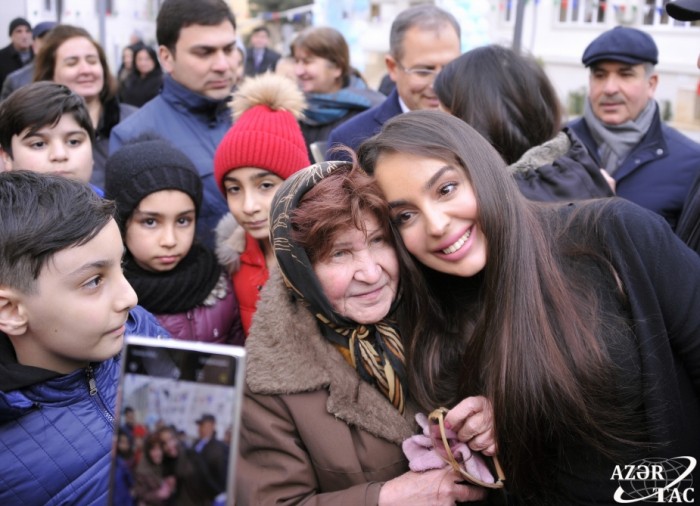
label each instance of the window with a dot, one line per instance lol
(582, 11)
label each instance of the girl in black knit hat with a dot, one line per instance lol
(158, 194)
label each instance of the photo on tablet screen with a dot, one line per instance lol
(177, 431)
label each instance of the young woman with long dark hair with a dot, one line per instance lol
(579, 322)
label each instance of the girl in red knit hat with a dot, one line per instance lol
(263, 148)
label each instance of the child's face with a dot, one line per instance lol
(160, 231)
(249, 193)
(78, 312)
(63, 149)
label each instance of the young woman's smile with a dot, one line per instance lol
(434, 207)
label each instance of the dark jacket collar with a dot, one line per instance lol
(15, 376)
(183, 97)
(388, 109)
(652, 143)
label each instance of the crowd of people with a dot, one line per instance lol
(456, 244)
(161, 464)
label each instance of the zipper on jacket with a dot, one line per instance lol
(92, 385)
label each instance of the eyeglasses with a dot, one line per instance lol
(419, 73)
(442, 446)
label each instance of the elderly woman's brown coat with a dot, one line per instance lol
(312, 431)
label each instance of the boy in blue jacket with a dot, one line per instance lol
(65, 307)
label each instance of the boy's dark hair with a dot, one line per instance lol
(175, 15)
(40, 215)
(38, 105)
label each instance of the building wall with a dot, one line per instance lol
(560, 47)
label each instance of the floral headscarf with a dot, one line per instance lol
(374, 350)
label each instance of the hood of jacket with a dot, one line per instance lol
(230, 243)
(544, 154)
(286, 354)
(561, 169)
(13, 375)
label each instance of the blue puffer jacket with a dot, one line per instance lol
(56, 434)
(195, 125)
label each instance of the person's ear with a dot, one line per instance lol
(6, 159)
(13, 315)
(166, 58)
(391, 66)
(653, 83)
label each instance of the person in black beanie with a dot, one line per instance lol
(158, 193)
(19, 51)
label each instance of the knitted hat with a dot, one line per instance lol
(17, 22)
(265, 133)
(144, 167)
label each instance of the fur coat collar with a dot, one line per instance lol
(230, 243)
(286, 354)
(544, 154)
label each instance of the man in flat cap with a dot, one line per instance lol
(653, 164)
(213, 456)
(25, 75)
(19, 51)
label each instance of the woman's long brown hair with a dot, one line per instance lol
(524, 332)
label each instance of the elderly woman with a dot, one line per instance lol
(335, 92)
(70, 56)
(326, 407)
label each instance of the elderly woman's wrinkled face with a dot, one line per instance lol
(361, 275)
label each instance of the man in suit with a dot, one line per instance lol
(260, 58)
(423, 39)
(18, 52)
(212, 452)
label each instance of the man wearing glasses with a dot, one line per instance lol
(423, 39)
